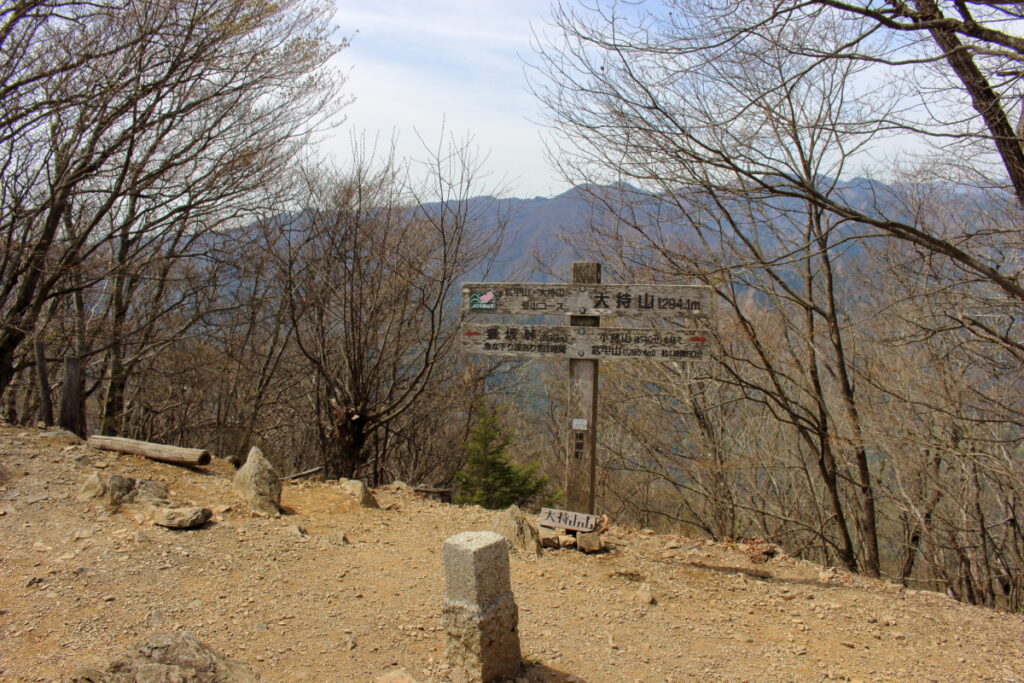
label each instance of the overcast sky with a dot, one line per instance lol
(415, 66)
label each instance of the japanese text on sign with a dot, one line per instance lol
(595, 299)
(563, 519)
(608, 343)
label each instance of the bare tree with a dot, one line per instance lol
(126, 122)
(371, 269)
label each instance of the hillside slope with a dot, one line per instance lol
(79, 584)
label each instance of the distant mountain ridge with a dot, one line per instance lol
(542, 225)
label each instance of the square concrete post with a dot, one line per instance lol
(480, 614)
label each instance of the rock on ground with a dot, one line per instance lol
(358, 490)
(396, 676)
(644, 595)
(120, 490)
(170, 658)
(518, 530)
(548, 537)
(181, 518)
(93, 487)
(258, 484)
(589, 542)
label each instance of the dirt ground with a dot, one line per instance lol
(79, 583)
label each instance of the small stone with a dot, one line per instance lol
(548, 537)
(338, 538)
(120, 489)
(151, 492)
(566, 541)
(181, 518)
(93, 487)
(644, 595)
(397, 676)
(82, 533)
(589, 542)
(155, 618)
(297, 529)
(759, 553)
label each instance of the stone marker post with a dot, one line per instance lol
(480, 614)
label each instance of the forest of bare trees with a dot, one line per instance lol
(177, 266)
(848, 177)
(864, 407)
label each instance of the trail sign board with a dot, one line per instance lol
(635, 301)
(583, 342)
(564, 519)
(595, 343)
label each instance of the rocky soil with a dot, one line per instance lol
(332, 591)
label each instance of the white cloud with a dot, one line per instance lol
(416, 67)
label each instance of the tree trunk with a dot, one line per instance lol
(343, 454)
(72, 405)
(43, 380)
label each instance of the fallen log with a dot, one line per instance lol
(154, 451)
(299, 475)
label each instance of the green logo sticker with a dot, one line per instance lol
(488, 301)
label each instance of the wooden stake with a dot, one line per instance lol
(581, 459)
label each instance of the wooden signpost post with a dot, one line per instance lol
(584, 341)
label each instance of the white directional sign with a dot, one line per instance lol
(637, 301)
(596, 343)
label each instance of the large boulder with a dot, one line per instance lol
(170, 658)
(516, 526)
(258, 484)
(358, 490)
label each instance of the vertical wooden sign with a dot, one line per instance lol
(581, 461)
